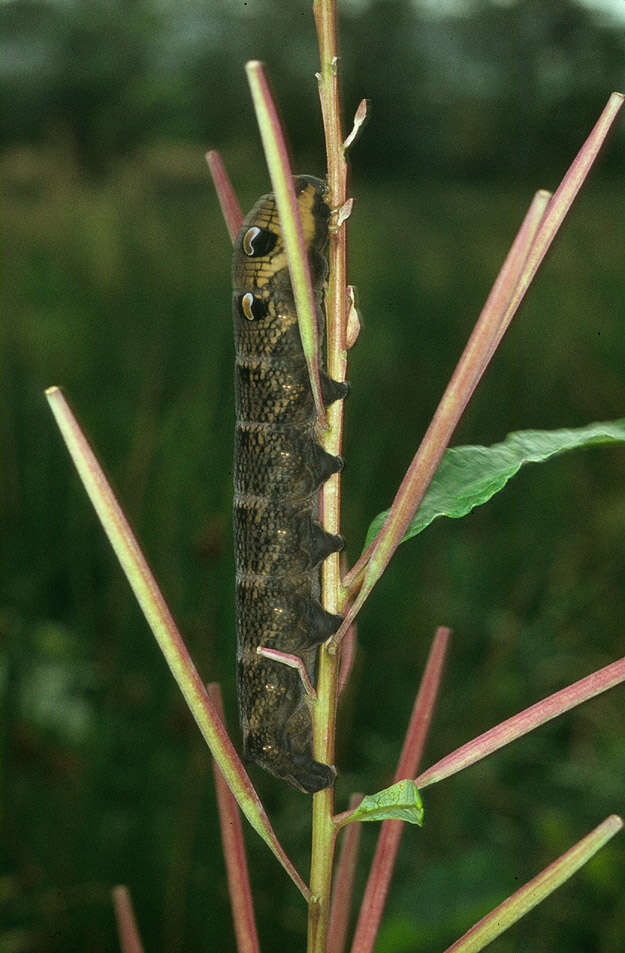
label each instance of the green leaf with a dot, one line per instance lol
(400, 802)
(470, 476)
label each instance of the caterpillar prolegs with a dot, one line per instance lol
(279, 468)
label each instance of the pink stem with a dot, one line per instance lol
(524, 722)
(230, 208)
(344, 883)
(234, 853)
(390, 835)
(129, 939)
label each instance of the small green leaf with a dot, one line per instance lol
(400, 802)
(470, 476)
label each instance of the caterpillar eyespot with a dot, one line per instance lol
(279, 468)
(258, 242)
(253, 309)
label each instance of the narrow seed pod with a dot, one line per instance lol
(279, 468)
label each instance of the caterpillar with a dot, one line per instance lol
(279, 468)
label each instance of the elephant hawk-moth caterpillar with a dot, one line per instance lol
(279, 468)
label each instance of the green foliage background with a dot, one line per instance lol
(116, 284)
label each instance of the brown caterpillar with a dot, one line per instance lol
(278, 470)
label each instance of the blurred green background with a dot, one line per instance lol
(116, 287)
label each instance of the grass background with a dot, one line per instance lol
(117, 288)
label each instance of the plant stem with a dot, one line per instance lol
(324, 713)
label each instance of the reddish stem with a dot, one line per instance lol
(390, 835)
(234, 853)
(344, 883)
(129, 939)
(230, 208)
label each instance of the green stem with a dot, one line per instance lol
(324, 714)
